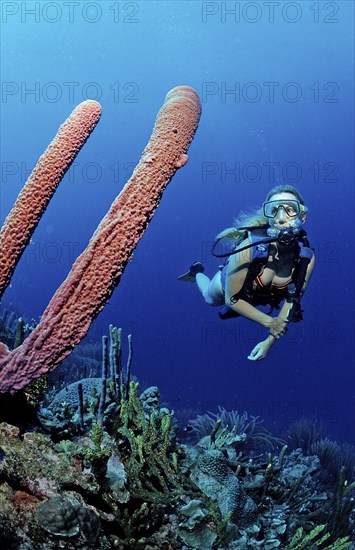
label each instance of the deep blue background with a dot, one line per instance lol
(129, 55)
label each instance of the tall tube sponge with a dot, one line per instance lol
(97, 271)
(40, 187)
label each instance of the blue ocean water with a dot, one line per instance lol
(276, 83)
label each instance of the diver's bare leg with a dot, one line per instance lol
(211, 290)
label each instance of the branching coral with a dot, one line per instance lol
(151, 461)
(78, 405)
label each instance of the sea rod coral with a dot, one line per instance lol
(98, 270)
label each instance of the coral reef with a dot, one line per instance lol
(310, 436)
(110, 472)
(130, 483)
(270, 500)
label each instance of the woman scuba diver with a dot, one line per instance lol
(271, 262)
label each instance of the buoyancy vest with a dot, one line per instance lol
(270, 295)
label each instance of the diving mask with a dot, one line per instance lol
(292, 208)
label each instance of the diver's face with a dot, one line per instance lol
(282, 219)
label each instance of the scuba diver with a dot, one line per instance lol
(270, 262)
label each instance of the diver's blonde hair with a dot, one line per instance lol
(256, 218)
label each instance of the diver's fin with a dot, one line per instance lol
(190, 275)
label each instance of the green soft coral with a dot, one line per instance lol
(307, 542)
(151, 462)
(98, 456)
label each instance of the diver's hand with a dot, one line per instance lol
(260, 351)
(277, 326)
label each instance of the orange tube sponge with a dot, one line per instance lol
(34, 198)
(98, 269)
